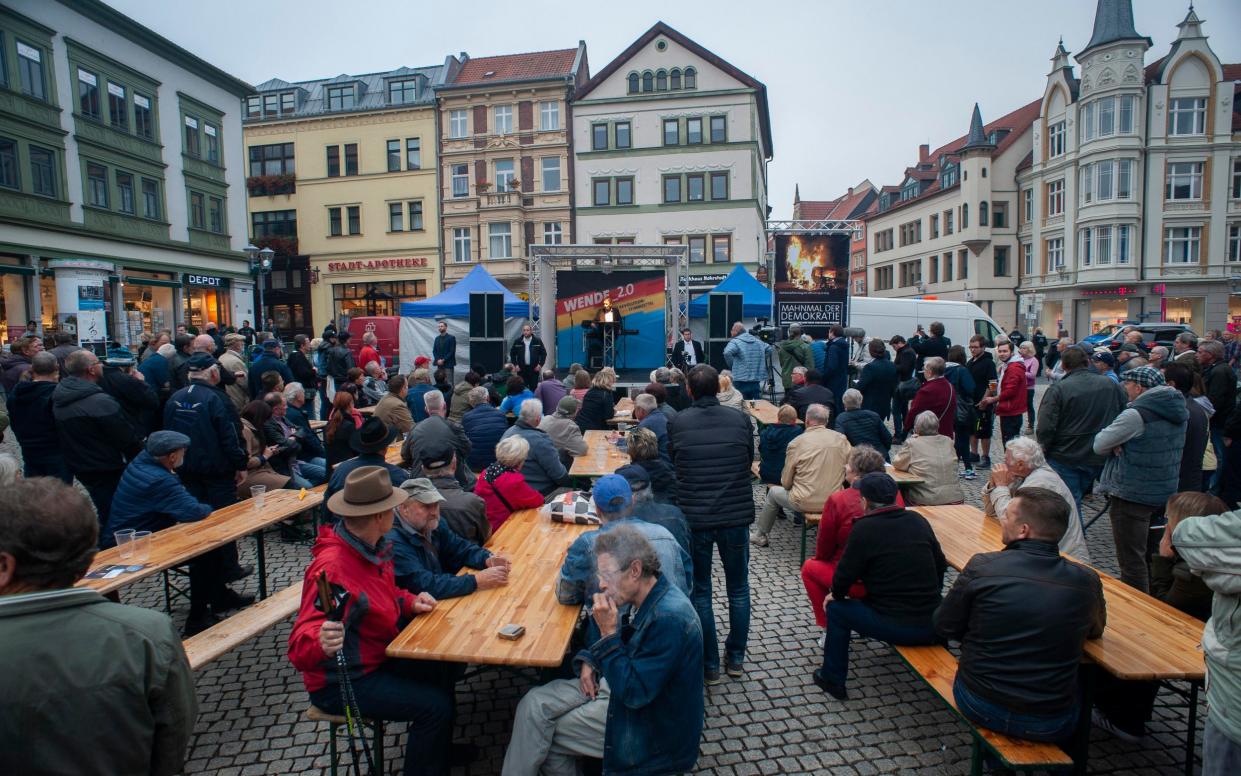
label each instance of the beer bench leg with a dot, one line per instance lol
(260, 553)
(171, 591)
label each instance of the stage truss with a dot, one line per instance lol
(851, 227)
(545, 260)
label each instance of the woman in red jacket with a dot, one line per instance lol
(839, 512)
(358, 562)
(502, 487)
(1010, 404)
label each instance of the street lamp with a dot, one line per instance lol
(260, 265)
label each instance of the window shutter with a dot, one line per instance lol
(527, 173)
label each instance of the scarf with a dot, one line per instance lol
(494, 470)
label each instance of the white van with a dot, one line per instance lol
(883, 318)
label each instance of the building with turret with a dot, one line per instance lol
(1130, 201)
(948, 231)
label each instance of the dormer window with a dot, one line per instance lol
(948, 177)
(402, 92)
(341, 97)
(270, 106)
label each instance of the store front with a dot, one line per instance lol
(370, 287)
(1234, 313)
(81, 302)
(17, 284)
(1107, 312)
(149, 301)
(207, 299)
(1187, 310)
(1051, 318)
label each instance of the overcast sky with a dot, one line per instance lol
(854, 87)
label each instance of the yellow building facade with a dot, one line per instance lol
(343, 186)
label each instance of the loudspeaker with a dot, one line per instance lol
(715, 353)
(489, 354)
(723, 310)
(486, 316)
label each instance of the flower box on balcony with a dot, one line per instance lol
(271, 185)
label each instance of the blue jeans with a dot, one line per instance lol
(403, 691)
(1058, 728)
(848, 616)
(734, 549)
(1078, 479)
(314, 470)
(748, 389)
(1220, 754)
(1221, 452)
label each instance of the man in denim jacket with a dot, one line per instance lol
(650, 658)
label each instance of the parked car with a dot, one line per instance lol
(1107, 332)
(1153, 334)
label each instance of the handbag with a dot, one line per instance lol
(906, 389)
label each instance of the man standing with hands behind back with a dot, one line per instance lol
(528, 354)
(444, 350)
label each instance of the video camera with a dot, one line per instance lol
(766, 333)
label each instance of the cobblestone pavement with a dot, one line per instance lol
(774, 720)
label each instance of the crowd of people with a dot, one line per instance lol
(195, 422)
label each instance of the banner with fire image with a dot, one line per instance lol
(812, 281)
(638, 298)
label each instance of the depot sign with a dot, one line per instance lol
(412, 262)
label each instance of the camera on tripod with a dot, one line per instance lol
(766, 333)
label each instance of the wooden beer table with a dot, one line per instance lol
(902, 478)
(602, 456)
(370, 410)
(1145, 639)
(318, 425)
(463, 630)
(177, 544)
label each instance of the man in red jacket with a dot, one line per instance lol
(357, 559)
(1010, 404)
(936, 395)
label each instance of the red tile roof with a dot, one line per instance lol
(817, 210)
(516, 67)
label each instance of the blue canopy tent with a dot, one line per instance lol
(756, 298)
(419, 319)
(454, 301)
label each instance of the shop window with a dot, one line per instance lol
(351, 300)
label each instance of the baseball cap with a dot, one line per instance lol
(271, 344)
(1145, 376)
(636, 476)
(567, 405)
(612, 493)
(420, 489)
(1105, 357)
(877, 488)
(436, 454)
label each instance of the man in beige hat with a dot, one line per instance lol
(231, 361)
(357, 559)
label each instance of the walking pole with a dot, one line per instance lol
(348, 699)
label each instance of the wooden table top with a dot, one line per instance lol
(764, 411)
(318, 425)
(1144, 638)
(367, 410)
(902, 478)
(177, 544)
(602, 457)
(463, 630)
(625, 404)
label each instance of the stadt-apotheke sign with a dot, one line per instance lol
(373, 264)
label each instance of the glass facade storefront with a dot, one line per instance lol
(1105, 312)
(149, 302)
(353, 300)
(1234, 313)
(1051, 318)
(1187, 310)
(16, 282)
(207, 299)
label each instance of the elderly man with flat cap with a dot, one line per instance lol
(150, 497)
(428, 554)
(355, 557)
(464, 512)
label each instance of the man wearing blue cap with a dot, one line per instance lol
(268, 361)
(128, 386)
(150, 497)
(1105, 364)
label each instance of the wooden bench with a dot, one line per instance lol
(812, 518)
(335, 722)
(937, 667)
(202, 648)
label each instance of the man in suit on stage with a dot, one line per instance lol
(444, 350)
(687, 353)
(529, 355)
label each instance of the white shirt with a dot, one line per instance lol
(527, 341)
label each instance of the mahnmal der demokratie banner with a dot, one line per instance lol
(812, 281)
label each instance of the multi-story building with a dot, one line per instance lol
(506, 160)
(671, 145)
(1131, 200)
(948, 230)
(121, 178)
(856, 203)
(342, 184)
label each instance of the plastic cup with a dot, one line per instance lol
(125, 543)
(259, 494)
(142, 546)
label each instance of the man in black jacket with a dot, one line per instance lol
(905, 360)
(810, 391)
(894, 553)
(1221, 388)
(934, 345)
(1074, 410)
(128, 386)
(95, 438)
(444, 350)
(337, 362)
(30, 411)
(878, 379)
(529, 355)
(299, 363)
(712, 448)
(1023, 615)
(687, 353)
(215, 463)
